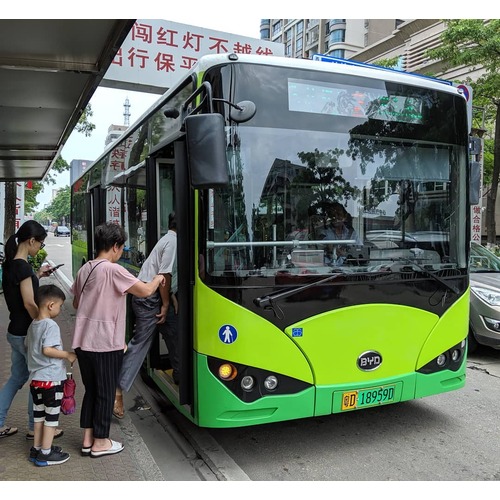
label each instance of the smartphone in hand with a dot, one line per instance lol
(56, 267)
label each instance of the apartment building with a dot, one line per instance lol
(409, 43)
(336, 37)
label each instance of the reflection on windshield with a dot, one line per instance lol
(352, 203)
(482, 260)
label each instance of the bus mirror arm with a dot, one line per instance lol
(241, 112)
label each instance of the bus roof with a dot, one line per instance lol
(358, 69)
(355, 68)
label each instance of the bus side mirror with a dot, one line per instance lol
(206, 150)
(474, 182)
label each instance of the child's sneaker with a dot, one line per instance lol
(34, 452)
(53, 458)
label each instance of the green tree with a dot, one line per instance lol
(476, 43)
(391, 62)
(30, 203)
(30, 195)
(60, 206)
(84, 125)
(43, 217)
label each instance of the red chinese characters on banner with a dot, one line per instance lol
(142, 32)
(117, 163)
(166, 37)
(192, 41)
(164, 62)
(476, 224)
(149, 49)
(18, 212)
(114, 204)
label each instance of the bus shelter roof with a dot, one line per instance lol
(49, 70)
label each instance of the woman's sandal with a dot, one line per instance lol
(86, 451)
(8, 431)
(115, 447)
(118, 411)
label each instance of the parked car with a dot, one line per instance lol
(484, 321)
(62, 231)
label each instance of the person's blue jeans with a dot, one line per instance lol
(18, 377)
(145, 310)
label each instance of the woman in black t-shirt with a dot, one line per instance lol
(20, 286)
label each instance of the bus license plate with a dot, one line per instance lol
(367, 397)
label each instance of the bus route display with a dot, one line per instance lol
(357, 102)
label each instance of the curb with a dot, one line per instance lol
(64, 281)
(192, 439)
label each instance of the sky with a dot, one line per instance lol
(224, 15)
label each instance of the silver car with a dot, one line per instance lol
(484, 321)
(62, 231)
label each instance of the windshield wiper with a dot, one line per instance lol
(267, 301)
(431, 275)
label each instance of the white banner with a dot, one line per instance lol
(157, 53)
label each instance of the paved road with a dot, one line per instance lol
(448, 437)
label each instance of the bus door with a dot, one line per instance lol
(162, 181)
(96, 207)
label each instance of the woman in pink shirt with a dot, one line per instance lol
(100, 291)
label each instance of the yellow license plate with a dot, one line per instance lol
(368, 397)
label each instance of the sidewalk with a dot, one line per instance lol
(134, 463)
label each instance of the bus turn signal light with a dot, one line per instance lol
(227, 371)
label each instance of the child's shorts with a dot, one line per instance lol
(47, 398)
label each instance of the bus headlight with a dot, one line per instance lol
(247, 383)
(227, 371)
(441, 360)
(250, 384)
(270, 383)
(452, 359)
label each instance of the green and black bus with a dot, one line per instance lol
(278, 317)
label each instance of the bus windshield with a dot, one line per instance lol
(338, 173)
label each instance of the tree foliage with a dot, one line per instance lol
(60, 206)
(391, 62)
(476, 43)
(84, 125)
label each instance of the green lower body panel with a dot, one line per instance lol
(386, 391)
(218, 407)
(436, 383)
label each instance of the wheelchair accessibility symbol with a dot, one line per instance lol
(227, 334)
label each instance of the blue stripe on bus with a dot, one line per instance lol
(350, 62)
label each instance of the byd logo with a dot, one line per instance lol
(369, 361)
